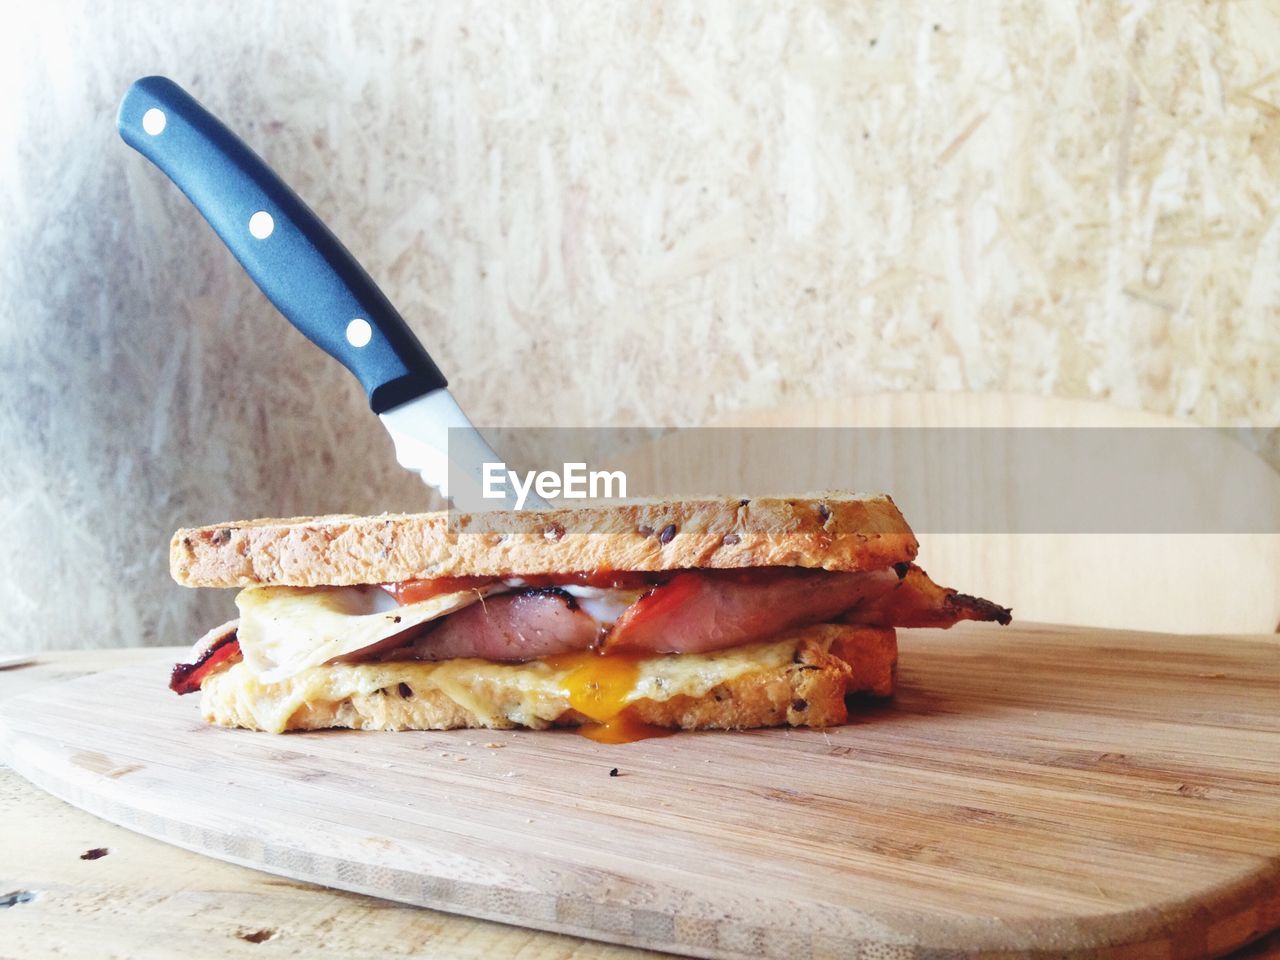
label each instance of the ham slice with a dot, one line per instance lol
(512, 626)
(701, 611)
(695, 611)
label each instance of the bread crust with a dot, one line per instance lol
(831, 662)
(834, 531)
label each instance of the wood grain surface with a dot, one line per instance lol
(99, 890)
(1033, 789)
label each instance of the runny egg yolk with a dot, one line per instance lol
(598, 686)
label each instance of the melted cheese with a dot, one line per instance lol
(285, 630)
(532, 694)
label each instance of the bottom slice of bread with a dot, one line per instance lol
(799, 679)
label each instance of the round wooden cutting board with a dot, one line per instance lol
(1055, 791)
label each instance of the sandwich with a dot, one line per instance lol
(624, 621)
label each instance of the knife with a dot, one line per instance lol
(317, 284)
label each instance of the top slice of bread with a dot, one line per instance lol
(835, 531)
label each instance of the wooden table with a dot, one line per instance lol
(79, 886)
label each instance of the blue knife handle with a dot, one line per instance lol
(293, 257)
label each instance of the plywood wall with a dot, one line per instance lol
(606, 213)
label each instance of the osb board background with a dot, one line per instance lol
(595, 214)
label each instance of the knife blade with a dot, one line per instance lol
(315, 282)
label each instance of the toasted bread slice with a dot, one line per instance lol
(799, 679)
(836, 531)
